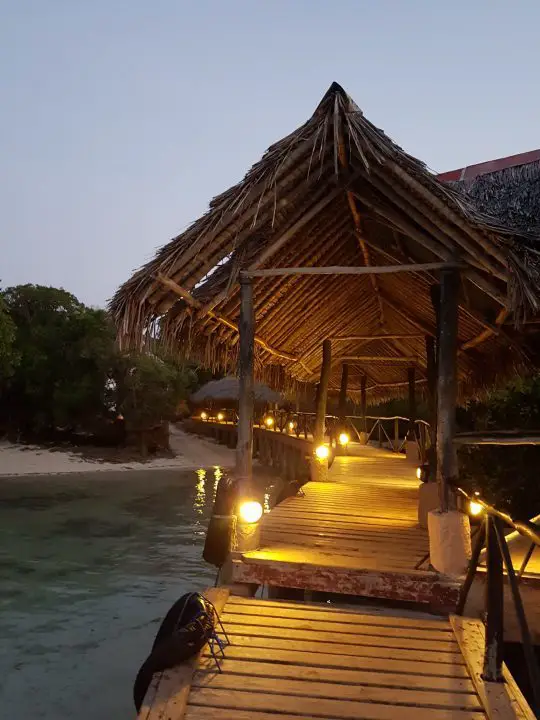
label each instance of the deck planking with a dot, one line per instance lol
(357, 534)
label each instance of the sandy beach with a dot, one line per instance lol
(190, 453)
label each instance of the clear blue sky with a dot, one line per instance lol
(120, 119)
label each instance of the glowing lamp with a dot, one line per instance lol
(250, 511)
(269, 421)
(418, 473)
(291, 426)
(475, 508)
(204, 416)
(220, 417)
(322, 452)
(344, 439)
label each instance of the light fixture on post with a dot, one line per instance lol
(322, 452)
(344, 439)
(269, 421)
(204, 415)
(250, 511)
(220, 417)
(475, 507)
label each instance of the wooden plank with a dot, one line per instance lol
(198, 712)
(322, 624)
(444, 666)
(500, 701)
(319, 707)
(364, 640)
(167, 695)
(330, 690)
(342, 675)
(330, 613)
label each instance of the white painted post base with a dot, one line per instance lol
(247, 536)
(411, 452)
(318, 469)
(449, 541)
(428, 499)
(363, 438)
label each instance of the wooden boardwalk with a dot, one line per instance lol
(299, 661)
(355, 534)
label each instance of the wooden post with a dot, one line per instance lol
(322, 392)
(411, 380)
(493, 655)
(447, 469)
(432, 399)
(342, 409)
(396, 435)
(244, 446)
(363, 402)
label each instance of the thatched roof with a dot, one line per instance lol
(228, 388)
(507, 188)
(336, 191)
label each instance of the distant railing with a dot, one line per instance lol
(491, 533)
(391, 432)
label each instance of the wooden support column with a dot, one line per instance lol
(432, 399)
(342, 409)
(244, 447)
(447, 469)
(411, 382)
(322, 392)
(363, 406)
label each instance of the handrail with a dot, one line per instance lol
(491, 533)
(523, 527)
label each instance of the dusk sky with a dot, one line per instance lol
(121, 119)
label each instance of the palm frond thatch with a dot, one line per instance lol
(228, 389)
(337, 191)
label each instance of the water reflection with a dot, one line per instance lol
(89, 565)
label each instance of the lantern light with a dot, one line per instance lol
(204, 416)
(322, 452)
(269, 421)
(418, 473)
(476, 508)
(344, 439)
(220, 417)
(291, 425)
(250, 511)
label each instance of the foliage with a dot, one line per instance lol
(69, 373)
(65, 351)
(150, 389)
(8, 356)
(506, 476)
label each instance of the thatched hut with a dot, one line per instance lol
(339, 192)
(225, 393)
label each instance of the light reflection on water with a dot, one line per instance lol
(89, 565)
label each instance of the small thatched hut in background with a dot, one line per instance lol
(224, 393)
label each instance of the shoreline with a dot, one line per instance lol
(190, 454)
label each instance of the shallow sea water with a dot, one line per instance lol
(89, 565)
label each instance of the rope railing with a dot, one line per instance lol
(491, 533)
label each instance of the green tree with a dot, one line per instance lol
(149, 391)
(8, 356)
(65, 352)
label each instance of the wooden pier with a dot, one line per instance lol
(355, 534)
(304, 661)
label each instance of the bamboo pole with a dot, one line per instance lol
(368, 338)
(349, 269)
(320, 410)
(447, 469)
(375, 358)
(342, 407)
(363, 403)
(244, 447)
(412, 403)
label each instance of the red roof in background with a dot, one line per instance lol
(472, 171)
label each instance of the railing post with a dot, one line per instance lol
(493, 654)
(246, 327)
(363, 405)
(396, 434)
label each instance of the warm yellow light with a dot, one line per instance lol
(322, 452)
(251, 511)
(269, 421)
(418, 473)
(291, 425)
(344, 439)
(475, 508)
(204, 416)
(220, 416)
